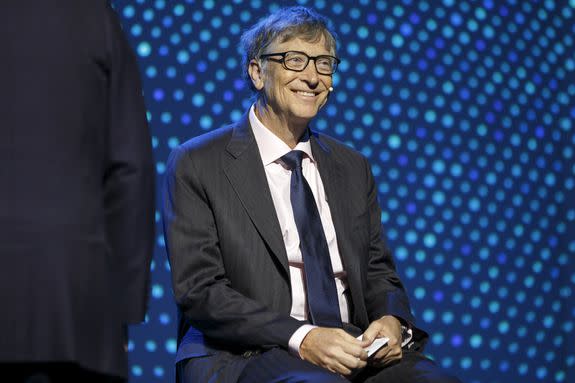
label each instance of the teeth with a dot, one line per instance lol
(308, 94)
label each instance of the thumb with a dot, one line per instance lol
(369, 335)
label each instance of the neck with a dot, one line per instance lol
(286, 129)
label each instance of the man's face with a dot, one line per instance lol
(296, 96)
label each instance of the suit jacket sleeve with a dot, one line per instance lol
(385, 294)
(202, 287)
(129, 177)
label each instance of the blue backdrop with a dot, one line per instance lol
(466, 112)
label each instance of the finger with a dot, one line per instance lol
(395, 353)
(387, 363)
(344, 350)
(393, 341)
(370, 334)
(392, 359)
(391, 355)
(388, 352)
(340, 369)
(351, 355)
(353, 348)
(382, 353)
(344, 336)
(352, 362)
(341, 339)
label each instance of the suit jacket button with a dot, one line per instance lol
(247, 354)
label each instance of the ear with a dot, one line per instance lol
(256, 75)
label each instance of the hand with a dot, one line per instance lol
(334, 350)
(390, 327)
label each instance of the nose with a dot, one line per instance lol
(310, 74)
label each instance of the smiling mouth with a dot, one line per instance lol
(306, 94)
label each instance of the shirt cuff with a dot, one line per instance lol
(297, 337)
(406, 335)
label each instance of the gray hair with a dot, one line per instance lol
(283, 25)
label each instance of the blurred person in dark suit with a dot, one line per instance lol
(76, 192)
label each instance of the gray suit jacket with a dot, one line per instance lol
(229, 264)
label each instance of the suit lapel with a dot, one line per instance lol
(337, 193)
(247, 176)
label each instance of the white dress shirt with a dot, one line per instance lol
(271, 149)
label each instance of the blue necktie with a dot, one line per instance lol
(320, 283)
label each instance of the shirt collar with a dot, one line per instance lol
(270, 146)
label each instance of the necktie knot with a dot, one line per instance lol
(293, 159)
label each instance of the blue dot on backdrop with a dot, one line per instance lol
(466, 111)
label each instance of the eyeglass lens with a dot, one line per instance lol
(299, 61)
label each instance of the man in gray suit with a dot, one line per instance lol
(274, 235)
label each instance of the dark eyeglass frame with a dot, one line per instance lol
(309, 58)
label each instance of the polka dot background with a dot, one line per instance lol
(466, 110)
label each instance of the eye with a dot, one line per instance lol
(325, 64)
(297, 59)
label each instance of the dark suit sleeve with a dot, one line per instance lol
(129, 177)
(201, 286)
(385, 293)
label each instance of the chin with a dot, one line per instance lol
(306, 112)
(305, 117)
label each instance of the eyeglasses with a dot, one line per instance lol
(297, 61)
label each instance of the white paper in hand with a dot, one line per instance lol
(377, 344)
